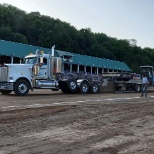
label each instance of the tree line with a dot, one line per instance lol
(39, 30)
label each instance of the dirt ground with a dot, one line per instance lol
(46, 122)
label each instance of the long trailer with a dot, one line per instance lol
(124, 81)
(130, 81)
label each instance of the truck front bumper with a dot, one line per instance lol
(6, 85)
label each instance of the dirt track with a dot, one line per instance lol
(56, 123)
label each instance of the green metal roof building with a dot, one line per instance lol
(18, 50)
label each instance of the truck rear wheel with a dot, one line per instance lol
(21, 88)
(94, 88)
(68, 86)
(72, 85)
(63, 86)
(84, 87)
(5, 92)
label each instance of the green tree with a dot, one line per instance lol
(40, 30)
(7, 34)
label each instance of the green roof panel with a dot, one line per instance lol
(21, 50)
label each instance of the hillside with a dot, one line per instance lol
(40, 30)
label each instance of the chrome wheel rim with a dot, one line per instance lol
(95, 88)
(73, 85)
(22, 88)
(84, 88)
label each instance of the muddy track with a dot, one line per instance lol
(77, 126)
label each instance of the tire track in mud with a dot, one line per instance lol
(83, 126)
(78, 102)
(25, 113)
(33, 110)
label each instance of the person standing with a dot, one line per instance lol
(145, 84)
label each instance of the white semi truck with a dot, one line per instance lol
(43, 71)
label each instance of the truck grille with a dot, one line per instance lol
(3, 74)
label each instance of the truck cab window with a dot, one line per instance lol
(44, 61)
(30, 60)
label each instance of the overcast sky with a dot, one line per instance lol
(121, 19)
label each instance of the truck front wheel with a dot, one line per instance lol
(21, 88)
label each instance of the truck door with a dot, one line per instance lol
(43, 69)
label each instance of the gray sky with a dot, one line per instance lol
(121, 19)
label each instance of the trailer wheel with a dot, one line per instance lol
(84, 87)
(21, 88)
(138, 87)
(94, 88)
(5, 92)
(72, 85)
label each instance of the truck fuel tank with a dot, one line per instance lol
(57, 68)
(44, 84)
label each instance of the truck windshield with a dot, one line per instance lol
(30, 60)
(148, 71)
